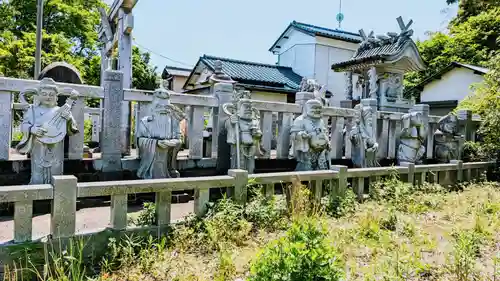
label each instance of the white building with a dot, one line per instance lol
(446, 89)
(310, 51)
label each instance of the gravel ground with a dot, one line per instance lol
(87, 220)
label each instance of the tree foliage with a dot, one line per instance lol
(486, 102)
(472, 41)
(70, 35)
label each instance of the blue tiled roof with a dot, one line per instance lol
(253, 73)
(327, 32)
(321, 31)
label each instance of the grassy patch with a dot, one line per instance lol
(401, 233)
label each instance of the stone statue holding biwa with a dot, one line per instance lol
(159, 138)
(447, 141)
(44, 127)
(243, 131)
(310, 144)
(411, 147)
(363, 137)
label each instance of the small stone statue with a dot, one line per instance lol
(394, 89)
(243, 131)
(411, 146)
(364, 144)
(159, 138)
(309, 138)
(447, 140)
(311, 86)
(44, 127)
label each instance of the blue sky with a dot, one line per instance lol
(184, 30)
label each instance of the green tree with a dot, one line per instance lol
(470, 8)
(70, 35)
(486, 102)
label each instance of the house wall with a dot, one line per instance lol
(454, 85)
(269, 96)
(179, 83)
(312, 57)
(297, 52)
(325, 56)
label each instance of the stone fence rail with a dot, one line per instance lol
(111, 122)
(65, 191)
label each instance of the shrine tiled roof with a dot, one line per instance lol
(384, 48)
(373, 52)
(253, 73)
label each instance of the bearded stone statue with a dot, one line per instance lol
(447, 140)
(44, 127)
(159, 138)
(309, 138)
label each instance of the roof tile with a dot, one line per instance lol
(256, 73)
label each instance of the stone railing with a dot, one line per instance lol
(112, 121)
(65, 191)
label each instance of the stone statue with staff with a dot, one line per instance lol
(243, 131)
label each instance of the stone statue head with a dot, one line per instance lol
(46, 94)
(314, 108)
(449, 124)
(412, 119)
(161, 102)
(242, 100)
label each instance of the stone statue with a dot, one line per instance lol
(159, 138)
(309, 138)
(243, 131)
(394, 89)
(348, 85)
(411, 146)
(311, 86)
(44, 128)
(447, 140)
(373, 80)
(364, 144)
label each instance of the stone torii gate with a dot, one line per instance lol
(116, 31)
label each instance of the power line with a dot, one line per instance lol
(160, 55)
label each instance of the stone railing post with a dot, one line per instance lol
(63, 213)
(341, 186)
(240, 185)
(460, 170)
(466, 126)
(111, 148)
(224, 93)
(411, 172)
(373, 104)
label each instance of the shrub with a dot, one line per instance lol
(266, 213)
(225, 223)
(147, 216)
(302, 255)
(339, 206)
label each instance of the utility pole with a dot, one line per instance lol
(38, 52)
